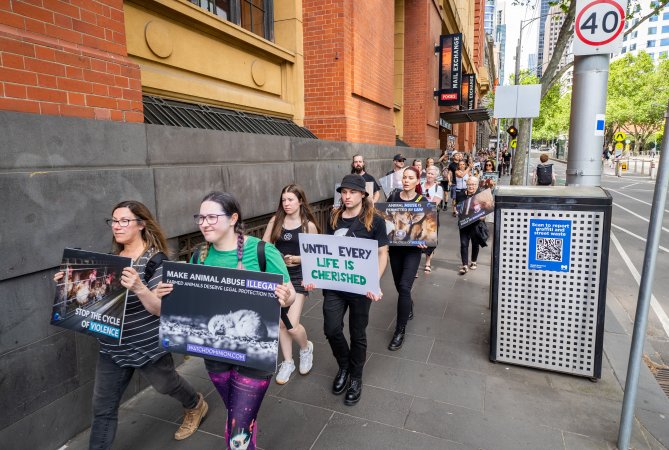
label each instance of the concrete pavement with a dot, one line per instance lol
(439, 391)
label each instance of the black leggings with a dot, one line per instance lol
(466, 236)
(404, 262)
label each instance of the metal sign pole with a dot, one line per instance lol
(645, 290)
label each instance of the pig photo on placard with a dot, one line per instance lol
(228, 315)
(411, 223)
(90, 298)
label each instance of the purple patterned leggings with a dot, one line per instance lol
(242, 396)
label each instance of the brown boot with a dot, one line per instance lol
(192, 419)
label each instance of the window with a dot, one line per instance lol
(653, 18)
(625, 38)
(624, 50)
(664, 42)
(663, 55)
(652, 30)
(650, 44)
(253, 15)
(652, 56)
(635, 34)
(632, 47)
(665, 16)
(665, 29)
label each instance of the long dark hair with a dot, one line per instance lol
(366, 215)
(414, 169)
(306, 215)
(229, 205)
(152, 234)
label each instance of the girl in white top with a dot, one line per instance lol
(435, 194)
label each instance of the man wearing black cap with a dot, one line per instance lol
(358, 167)
(398, 168)
(355, 217)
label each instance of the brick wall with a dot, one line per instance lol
(68, 58)
(422, 30)
(348, 77)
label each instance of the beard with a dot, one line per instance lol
(357, 170)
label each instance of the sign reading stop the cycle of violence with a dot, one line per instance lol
(599, 26)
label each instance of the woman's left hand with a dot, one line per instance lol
(374, 297)
(422, 246)
(282, 293)
(131, 281)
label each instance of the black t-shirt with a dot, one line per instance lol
(452, 167)
(368, 178)
(355, 228)
(506, 156)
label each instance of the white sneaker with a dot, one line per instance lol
(285, 369)
(307, 358)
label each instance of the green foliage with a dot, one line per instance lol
(638, 92)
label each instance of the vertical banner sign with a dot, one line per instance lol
(468, 92)
(550, 245)
(450, 69)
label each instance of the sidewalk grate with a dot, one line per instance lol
(662, 377)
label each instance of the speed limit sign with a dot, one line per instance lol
(599, 26)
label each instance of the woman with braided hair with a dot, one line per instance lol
(242, 389)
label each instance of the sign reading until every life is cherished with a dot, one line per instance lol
(598, 27)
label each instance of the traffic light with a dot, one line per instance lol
(513, 131)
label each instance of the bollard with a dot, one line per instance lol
(653, 171)
(643, 166)
(618, 168)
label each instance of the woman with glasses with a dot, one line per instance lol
(435, 194)
(467, 232)
(241, 388)
(136, 235)
(293, 216)
(488, 168)
(404, 261)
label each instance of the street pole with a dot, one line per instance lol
(527, 158)
(588, 100)
(645, 291)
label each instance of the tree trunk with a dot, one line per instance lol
(522, 151)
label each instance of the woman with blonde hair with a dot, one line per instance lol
(292, 217)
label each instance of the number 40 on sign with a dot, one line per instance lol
(599, 26)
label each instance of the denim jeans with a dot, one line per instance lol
(334, 307)
(404, 262)
(112, 380)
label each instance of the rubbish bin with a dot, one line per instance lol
(548, 279)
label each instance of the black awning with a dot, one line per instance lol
(470, 115)
(162, 111)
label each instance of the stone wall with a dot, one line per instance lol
(59, 179)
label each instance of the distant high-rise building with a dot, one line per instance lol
(551, 32)
(489, 17)
(532, 62)
(500, 39)
(651, 37)
(540, 47)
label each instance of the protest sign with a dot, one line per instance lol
(475, 207)
(410, 223)
(488, 179)
(391, 182)
(227, 315)
(90, 298)
(340, 263)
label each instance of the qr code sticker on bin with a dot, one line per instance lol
(549, 249)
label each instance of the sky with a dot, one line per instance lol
(514, 15)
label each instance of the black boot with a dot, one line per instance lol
(354, 392)
(340, 382)
(411, 311)
(398, 339)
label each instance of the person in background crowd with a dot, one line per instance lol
(429, 162)
(443, 169)
(418, 164)
(506, 161)
(461, 175)
(356, 217)
(398, 168)
(452, 167)
(488, 167)
(241, 388)
(543, 175)
(467, 233)
(404, 261)
(137, 235)
(292, 217)
(435, 194)
(358, 167)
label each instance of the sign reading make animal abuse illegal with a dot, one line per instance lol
(340, 263)
(227, 315)
(90, 298)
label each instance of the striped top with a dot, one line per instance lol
(139, 337)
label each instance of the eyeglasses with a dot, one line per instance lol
(212, 219)
(123, 222)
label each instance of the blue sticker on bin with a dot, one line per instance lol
(550, 245)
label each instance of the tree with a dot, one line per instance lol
(637, 96)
